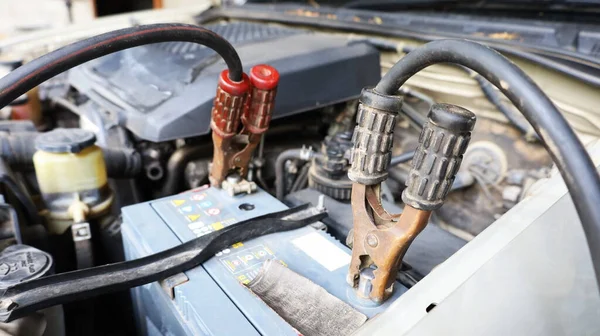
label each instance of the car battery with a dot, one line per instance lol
(211, 299)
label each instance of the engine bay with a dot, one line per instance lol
(252, 178)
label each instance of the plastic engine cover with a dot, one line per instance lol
(165, 91)
(211, 299)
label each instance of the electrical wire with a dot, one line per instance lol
(31, 74)
(413, 115)
(490, 93)
(402, 158)
(417, 94)
(567, 152)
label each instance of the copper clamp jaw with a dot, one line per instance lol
(380, 240)
(241, 113)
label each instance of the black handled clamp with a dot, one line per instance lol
(380, 239)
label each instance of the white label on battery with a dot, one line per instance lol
(322, 250)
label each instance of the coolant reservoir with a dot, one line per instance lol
(70, 170)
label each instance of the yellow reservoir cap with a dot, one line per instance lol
(67, 161)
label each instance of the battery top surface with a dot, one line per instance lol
(309, 252)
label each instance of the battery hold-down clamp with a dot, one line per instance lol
(241, 114)
(379, 240)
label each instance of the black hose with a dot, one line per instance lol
(177, 163)
(8, 180)
(122, 162)
(290, 154)
(568, 153)
(15, 230)
(17, 149)
(402, 158)
(492, 95)
(413, 115)
(414, 93)
(28, 76)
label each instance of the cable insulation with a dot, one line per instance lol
(567, 152)
(32, 74)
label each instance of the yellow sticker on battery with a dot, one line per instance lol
(192, 218)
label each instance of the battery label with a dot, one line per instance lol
(246, 263)
(202, 213)
(322, 251)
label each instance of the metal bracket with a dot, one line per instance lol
(81, 231)
(169, 284)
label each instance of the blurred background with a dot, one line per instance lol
(27, 15)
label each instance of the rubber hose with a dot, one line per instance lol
(517, 121)
(122, 162)
(176, 166)
(31, 74)
(568, 153)
(7, 179)
(290, 154)
(490, 93)
(417, 118)
(402, 158)
(17, 149)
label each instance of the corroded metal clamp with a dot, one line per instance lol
(380, 239)
(241, 114)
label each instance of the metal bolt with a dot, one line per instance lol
(372, 240)
(365, 283)
(82, 232)
(321, 204)
(233, 179)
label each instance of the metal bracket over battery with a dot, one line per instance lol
(31, 296)
(248, 103)
(380, 239)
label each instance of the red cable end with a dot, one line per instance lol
(264, 77)
(231, 87)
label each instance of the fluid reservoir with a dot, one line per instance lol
(71, 174)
